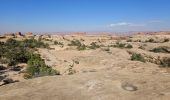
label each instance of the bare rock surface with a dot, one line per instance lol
(90, 86)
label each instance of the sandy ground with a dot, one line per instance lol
(99, 74)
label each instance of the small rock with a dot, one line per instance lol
(128, 87)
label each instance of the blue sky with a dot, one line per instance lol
(84, 15)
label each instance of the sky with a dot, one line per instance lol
(84, 15)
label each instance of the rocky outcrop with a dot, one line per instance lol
(29, 35)
(18, 34)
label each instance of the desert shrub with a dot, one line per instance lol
(129, 46)
(33, 43)
(160, 50)
(78, 44)
(165, 62)
(81, 47)
(137, 57)
(151, 40)
(75, 43)
(141, 47)
(123, 45)
(129, 40)
(166, 40)
(94, 45)
(58, 43)
(14, 52)
(139, 41)
(2, 67)
(71, 71)
(37, 68)
(76, 62)
(82, 39)
(107, 49)
(120, 45)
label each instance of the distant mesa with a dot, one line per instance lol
(29, 34)
(9, 35)
(79, 33)
(153, 33)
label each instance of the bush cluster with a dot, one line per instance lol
(123, 45)
(160, 50)
(37, 67)
(165, 62)
(13, 52)
(94, 45)
(58, 43)
(137, 57)
(78, 44)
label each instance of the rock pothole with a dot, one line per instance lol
(128, 86)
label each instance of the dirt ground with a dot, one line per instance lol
(97, 74)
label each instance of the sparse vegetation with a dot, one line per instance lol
(58, 43)
(123, 45)
(166, 40)
(14, 52)
(119, 45)
(137, 57)
(150, 40)
(129, 40)
(141, 47)
(94, 45)
(80, 46)
(71, 71)
(160, 50)
(37, 67)
(75, 43)
(2, 67)
(165, 62)
(129, 46)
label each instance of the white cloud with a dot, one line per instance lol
(125, 24)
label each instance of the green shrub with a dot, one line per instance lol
(165, 62)
(166, 40)
(150, 40)
(160, 50)
(94, 45)
(58, 43)
(13, 52)
(137, 57)
(107, 49)
(75, 43)
(120, 45)
(123, 45)
(78, 44)
(81, 47)
(129, 46)
(141, 47)
(2, 67)
(37, 68)
(33, 43)
(129, 40)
